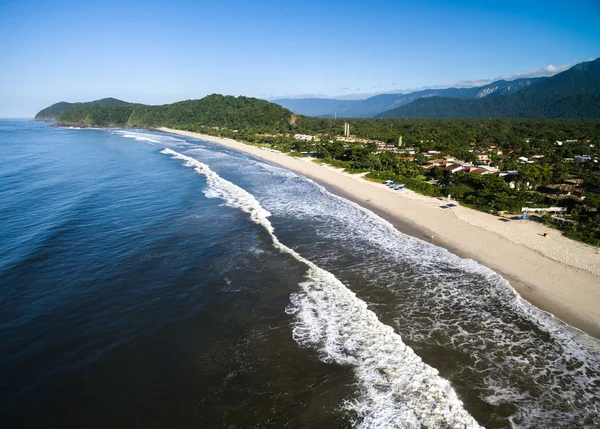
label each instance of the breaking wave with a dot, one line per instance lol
(395, 387)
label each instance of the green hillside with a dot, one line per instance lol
(574, 93)
(53, 113)
(98, 116)
(212, 111)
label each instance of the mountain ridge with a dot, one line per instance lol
(574, 93)
(380, 103)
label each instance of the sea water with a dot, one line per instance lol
(152, 280)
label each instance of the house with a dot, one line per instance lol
(435, 162)
(492, 170)
(479, 171)
(454, 168)
(508, 173)
(305, 137)
(482, 156)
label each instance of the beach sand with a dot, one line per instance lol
(554, 273)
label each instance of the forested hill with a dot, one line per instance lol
(52, 113)
(574, 93)
(212, 111)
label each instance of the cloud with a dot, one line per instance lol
(303, 95)
(547, 71)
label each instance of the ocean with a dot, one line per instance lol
(153, 281)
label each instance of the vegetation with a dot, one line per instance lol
(54, 112)
(213, 111)
(505, 141)
(97, 116)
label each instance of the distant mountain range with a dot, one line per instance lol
(52, 113)
(380, 103)
(574, 93)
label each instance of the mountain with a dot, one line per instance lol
(574, 93)
(52, 113)
(213, 111)
(380, 103)
(315, 106)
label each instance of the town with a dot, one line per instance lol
(499, 166)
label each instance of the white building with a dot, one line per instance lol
(303, 137)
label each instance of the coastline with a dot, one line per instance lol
(554, 273)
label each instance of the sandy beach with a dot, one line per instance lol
(556, 274)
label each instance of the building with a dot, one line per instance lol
(482, 157)
(305, 137)
(454, 168)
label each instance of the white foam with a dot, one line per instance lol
(396, 388)
(163, 139)
(518, 354)
(139, 137)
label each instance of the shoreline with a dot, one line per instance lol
(556, 274)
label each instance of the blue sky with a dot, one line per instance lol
(163, 51)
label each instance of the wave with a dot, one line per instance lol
(396, 388)
(513, 356)
(480, 313)
(163, 139)
(139, 137)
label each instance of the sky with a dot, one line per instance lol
(159, 52)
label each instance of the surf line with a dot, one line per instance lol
(395, 387)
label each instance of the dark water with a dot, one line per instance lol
(136, 292)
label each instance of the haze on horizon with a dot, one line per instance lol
(161, 52)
